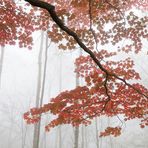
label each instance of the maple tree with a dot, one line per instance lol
(90, 25)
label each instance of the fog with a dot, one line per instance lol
(18, 95)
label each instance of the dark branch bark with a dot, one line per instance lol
(51, 9)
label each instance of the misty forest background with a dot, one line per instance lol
(20, 73)
(44, 72)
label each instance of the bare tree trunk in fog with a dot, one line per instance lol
(40, 87)
(1, 63)
(83, 138)
(60, 88)
(86, 137)
(100, 129)
(44, 78)
(110, 138)
(60, 137)
(97, 134)
(76, 130)
(76, 137)
(59, 132)
(36, 136)
(84, 141)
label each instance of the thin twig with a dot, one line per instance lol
(90, 28)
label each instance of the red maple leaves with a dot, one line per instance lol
(105, 91)
(115, 131)
(82, 104)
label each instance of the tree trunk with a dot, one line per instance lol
(43, 83)
(58, 142)
(100, 129)
(76, 137)
(83, 139)
(110, 138)
(36, 136)
(1, 63)
(76, 130)
(97, 134)
(60, 88)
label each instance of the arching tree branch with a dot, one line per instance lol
(51, 9)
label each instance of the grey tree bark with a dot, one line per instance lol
(43, 82)
(60, 89)
(76, 137)
(36, 134)
(83, 138)
(77, 129)
(97, 134)
(1, 63)
(110, 138)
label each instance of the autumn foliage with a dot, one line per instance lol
(93, 25)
